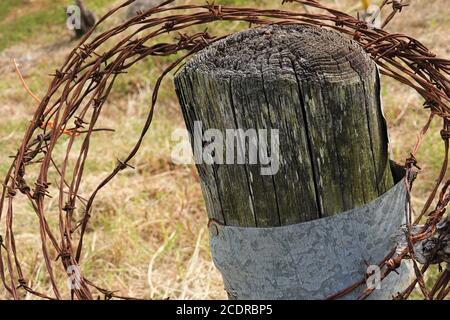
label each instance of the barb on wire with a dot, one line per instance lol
(80, 88)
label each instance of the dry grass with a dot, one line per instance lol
(148, 235)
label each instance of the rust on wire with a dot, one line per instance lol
(80, 88)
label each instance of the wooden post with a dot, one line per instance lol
(322, 92)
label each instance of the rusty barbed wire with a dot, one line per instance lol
(80, 88)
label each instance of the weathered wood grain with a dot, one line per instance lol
(321, 92)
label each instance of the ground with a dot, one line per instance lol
(148, 236)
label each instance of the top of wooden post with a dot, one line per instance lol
(294, 51)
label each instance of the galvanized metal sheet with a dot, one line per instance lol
(312, 260)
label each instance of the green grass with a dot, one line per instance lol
(5, 7)
(29, 25)
(36, 23)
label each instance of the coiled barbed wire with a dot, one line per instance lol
(80, 88)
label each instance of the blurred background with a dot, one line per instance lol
(148, 235)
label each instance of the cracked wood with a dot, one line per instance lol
(323, 94)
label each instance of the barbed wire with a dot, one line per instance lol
(80, 88)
